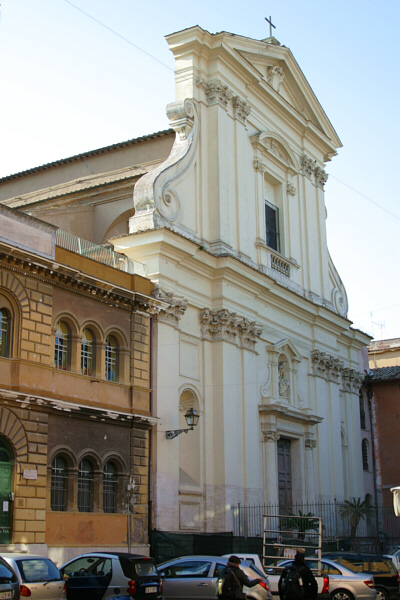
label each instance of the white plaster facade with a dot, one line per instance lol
(255, 338)
(261, 337)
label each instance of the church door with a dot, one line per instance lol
(5, 490)
(284, 477)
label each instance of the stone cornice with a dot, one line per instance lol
(29, 401)
(222, 325)
(332, 369)
(173, 308)
(284, 411)
(63, 276)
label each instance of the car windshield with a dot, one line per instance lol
(137, 568)
(37, 569)
(6, 574)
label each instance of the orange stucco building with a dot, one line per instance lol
(75, 393)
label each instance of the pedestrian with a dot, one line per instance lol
(233, 579)
(297, 581)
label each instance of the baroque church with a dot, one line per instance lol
(225, 214)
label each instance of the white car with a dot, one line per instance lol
(38, 576)
(250, 559)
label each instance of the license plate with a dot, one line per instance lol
(6, 595)
(151, 590)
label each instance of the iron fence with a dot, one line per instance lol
(381, 526)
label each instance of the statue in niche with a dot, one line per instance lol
(283, 376)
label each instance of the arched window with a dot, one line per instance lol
(109, 487)
(5, 332)
(59, 484)
(87, 358)
(61, 347)
(85, 486)
(111, 358)
(365, 455)
(362, 410)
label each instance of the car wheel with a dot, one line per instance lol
(342, 595)
(381, 594)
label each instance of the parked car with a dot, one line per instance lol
(394, 555)
(340, 582)
(250, 559)
(386, 577)
(38, 576)
(9, 584)
(196, 578)
(104, 575)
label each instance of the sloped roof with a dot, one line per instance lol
(385, 374)
(89, 153)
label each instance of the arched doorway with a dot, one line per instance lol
(5, 490)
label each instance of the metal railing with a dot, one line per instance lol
(104, 254)
(248, 521)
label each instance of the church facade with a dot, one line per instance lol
(251, 331)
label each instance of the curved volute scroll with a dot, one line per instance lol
(155, 198)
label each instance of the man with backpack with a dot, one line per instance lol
(297, 581)
(233, 579)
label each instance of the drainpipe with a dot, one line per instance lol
(370, 394)
(150, 492)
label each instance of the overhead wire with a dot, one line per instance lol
(119, 35)
(364, 196)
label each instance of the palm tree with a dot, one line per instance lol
(301, 524)
(356, 510)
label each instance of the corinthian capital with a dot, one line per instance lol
(172, 313)
(271, 435)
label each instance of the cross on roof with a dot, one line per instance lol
(270, 25)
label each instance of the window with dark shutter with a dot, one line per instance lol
(272, 226)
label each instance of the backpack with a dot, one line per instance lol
(227, 584)
(292, 585)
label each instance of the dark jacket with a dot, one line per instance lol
(310, 585)
(242, 579)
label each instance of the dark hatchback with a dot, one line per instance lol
(106, 575)
(386, 577)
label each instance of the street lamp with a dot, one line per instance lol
(192, 417)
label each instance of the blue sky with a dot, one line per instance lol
(69, 84)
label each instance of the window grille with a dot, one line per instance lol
(5, 324)
(61, 347)
(85, 486)
(365, 455)
(272, 226)
(111, 359)
(87, 353)
(109, 488)
(59, 484)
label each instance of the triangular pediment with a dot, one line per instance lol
(279, 71)
(287, 347)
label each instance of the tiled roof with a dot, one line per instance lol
(385, 374)
(62, 161)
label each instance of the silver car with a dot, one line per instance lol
(9, 585)
(344, 584)
(196, 578)
(38, 576)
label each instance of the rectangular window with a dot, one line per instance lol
(272, 226)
